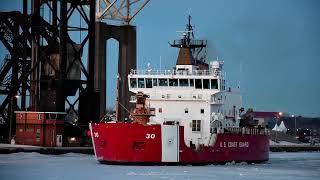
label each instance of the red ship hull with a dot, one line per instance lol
(136, 143)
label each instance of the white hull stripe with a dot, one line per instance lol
(94, 147)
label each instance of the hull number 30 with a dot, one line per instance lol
(150, 136)
(96, 134)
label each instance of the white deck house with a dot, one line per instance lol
(196, 99)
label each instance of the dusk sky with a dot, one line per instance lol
(271, 46)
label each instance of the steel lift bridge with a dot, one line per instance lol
(45, 69)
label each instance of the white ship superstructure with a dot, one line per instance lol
(196, 99)
(194, 94)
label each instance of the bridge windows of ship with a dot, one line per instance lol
(206, 83)
(155, 82)
(141, 83)
(183, 82)
(164, 82)
(222, 84)
(214, 84)
(196, 125)
(133, 83)
(173, 82)
(191, 83)
(148, 83)
(198, 83)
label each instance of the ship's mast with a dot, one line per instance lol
(188, 43)
(189, 30)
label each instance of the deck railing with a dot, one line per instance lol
(243, 130)
(177, 72)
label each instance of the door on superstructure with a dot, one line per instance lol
(170, 143)
(59, 141)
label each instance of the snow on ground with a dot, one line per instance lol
(17, 146)
(285, 143)
(33, 166)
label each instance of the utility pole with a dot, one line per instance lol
(117, 98)
(10, 122)
(295, 125)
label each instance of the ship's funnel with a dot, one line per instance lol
(185, 57)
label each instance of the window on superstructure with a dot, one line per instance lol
(148, 83)
(202, 111)
(155, 82)
(198, 83)
(173, 82)
(214, 84)
(163, 82)
(191, 83)
(141, 83)
(196, 125)
(222, 88)
(206, 83)
(160, 110)
(186, 110)
(30, 128)
(222, 84)
(183, 82)
(133, 82)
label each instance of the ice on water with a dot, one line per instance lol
(25, 166)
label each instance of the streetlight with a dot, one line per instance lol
(11, 114)
(295, 124)
(278, 118)
(280, 114)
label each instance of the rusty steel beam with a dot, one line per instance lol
(121, 11)
(25, 55)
